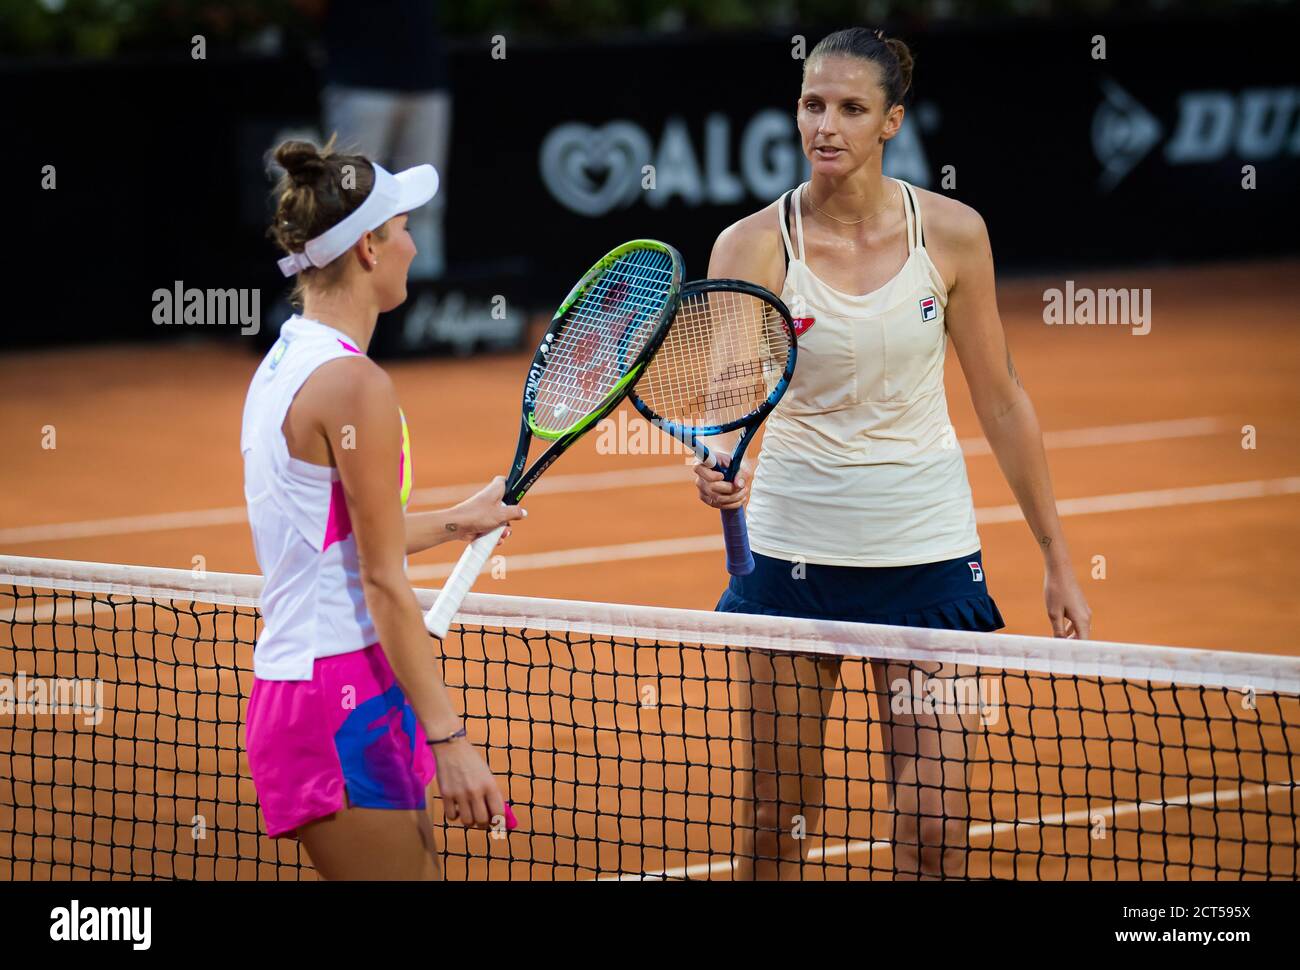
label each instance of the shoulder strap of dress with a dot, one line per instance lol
(798, 216)
(783, 216)
(912, 208)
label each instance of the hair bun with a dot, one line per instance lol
(904, 55)
(301, 160)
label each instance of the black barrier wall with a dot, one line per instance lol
(1181, 143)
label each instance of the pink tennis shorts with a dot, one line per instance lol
(347, 730)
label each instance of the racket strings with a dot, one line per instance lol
(605, 332)
(724, 356)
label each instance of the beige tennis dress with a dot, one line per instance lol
(860, 465)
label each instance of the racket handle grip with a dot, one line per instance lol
(740, 561)
(438, 620)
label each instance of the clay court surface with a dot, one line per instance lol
(1202, 547)
(1180, 534)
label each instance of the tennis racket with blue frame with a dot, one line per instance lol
(599, 341)
(724, 365)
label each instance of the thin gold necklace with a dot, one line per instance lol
(844, 222)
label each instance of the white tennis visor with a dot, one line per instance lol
(391, 196)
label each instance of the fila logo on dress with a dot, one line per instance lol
(929, 308)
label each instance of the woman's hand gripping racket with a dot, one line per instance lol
(598, 343)
(725, 364)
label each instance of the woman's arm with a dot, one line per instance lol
(1005, 412)
(354, 392)
(751, 250)
(424, 530)
(480, 513)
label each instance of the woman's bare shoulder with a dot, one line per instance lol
(949, 221)
(354, 385)
(750, 249)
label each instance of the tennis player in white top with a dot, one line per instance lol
(860, 506)
(348, 710)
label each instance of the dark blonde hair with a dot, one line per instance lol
(320, 188)
(890, 54)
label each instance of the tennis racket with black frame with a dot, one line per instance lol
(724, 365)
(598, 343)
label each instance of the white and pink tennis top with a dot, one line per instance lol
(312, 601)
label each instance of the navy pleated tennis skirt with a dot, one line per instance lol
(949, 595)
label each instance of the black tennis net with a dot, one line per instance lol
(643, 743)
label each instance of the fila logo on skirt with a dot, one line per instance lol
(929, 308)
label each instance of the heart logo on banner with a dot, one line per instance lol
(594, 170)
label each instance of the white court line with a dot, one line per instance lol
(991, 515)
(581, 482)
(1115, 434)
(652, 549)
(1154, 499)
(1083, 816)
(126, 525)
